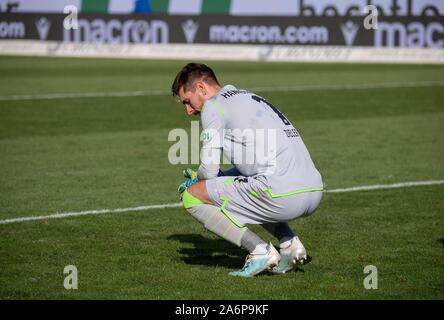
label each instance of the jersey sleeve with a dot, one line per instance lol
(213, 124)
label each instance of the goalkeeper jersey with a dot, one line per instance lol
(257, 139)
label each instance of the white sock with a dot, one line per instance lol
(260, 249)
(285, 244)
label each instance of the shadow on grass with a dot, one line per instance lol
(214, 252)
(209, 252)
(441, 240)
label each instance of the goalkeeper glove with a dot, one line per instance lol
(189, 173)
(191, 176)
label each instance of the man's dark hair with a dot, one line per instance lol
(189, 74)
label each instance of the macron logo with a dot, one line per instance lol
(189, 28)
(43, 26)
(349, 30)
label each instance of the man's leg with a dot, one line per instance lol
(292, 250)
(198, 203)
(282, 232)
(233, 172)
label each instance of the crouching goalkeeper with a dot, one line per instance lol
(268, 187)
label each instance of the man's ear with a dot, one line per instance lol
(200, 85)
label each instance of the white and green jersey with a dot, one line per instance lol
(257, 139)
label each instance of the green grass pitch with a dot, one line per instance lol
(76, 154)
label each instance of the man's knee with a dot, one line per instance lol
(189, 200)
(199, 191)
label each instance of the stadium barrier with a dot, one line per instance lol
(223, 52)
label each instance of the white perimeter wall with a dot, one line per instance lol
(223, 52)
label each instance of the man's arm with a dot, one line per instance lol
(213, 124)
(210, 164)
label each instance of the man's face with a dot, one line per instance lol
(192, 99)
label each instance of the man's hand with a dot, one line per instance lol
(189, 173)
(191, 176)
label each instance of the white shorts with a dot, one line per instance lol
(244, 201)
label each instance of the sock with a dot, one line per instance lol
(260, 249)
(253, 243)
(285, 244)
(217, 222)
(282, 231)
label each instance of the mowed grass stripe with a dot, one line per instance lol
(179, 204)
(361, 86)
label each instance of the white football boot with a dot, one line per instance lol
(256, 263)
(293, 255)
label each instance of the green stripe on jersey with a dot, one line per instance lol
(216, 6)
(290, 193)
